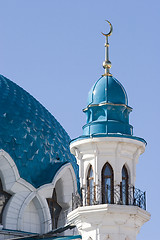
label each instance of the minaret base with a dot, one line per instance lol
(108, 221)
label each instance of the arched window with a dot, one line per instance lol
(54, 208)
(4, 197)
(124, 187)
(90, 187)
(107, 184)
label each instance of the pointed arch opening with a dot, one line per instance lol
(90, 186)
(4, 197)
(54, 208)
(107, 184)
(124, 186)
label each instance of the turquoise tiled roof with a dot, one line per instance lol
(53, 238)
(64, 238)
(34, 139)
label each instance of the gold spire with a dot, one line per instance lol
(107, 64)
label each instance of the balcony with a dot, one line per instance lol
(121, 195)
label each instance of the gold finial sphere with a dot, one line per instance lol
(107, 64)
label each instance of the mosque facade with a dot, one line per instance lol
(55, 188)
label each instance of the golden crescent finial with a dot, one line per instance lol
(111, 30)
(107, 64)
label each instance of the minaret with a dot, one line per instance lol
(109, 206)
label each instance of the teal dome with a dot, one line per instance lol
(107, 111)
(107, 89)
(34, 139)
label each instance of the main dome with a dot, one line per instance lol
(34, 139)
(107, 90)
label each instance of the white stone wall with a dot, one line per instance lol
(116, 151)
(108, 221)
(31, 219)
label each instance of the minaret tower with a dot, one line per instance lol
(109, 205)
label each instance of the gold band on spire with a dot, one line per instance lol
(107, 64)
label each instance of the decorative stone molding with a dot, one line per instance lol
(23, 193)
(111, 219)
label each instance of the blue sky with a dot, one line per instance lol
(54, 49)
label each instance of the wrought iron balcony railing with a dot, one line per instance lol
(121, 195)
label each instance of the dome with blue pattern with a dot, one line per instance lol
(34, 139)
